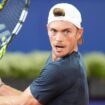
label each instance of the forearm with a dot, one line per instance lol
(5, 100)
(11, 96)
(25, 98)
(6, 90)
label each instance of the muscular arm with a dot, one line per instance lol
(6, 90)
(25, 98)
(12, 96)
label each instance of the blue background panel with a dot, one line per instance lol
(33, 35)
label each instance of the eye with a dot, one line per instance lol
(53, 31)
(66, 32)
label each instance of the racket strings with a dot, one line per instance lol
(11, 13)
(9, 17)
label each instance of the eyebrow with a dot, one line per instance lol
(62, 29)
(66, 29)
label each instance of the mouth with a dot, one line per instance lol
(59, 48)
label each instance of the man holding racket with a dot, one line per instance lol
(63, 80)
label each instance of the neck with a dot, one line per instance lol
(54, 57)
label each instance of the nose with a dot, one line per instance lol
(59, 37)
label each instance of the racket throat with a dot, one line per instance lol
(2, 4)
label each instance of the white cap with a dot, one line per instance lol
(71, 14)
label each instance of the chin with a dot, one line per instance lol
(59, 55)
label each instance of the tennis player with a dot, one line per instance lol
(63, 79)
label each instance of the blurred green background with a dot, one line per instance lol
(19, 69)
(28, 65)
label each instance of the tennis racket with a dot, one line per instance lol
(13, 14)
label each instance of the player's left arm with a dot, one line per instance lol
(6, 90)
(25, 98)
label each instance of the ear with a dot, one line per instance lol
(47, 25)
(80, 36)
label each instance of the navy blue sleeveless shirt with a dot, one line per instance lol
(62, 82)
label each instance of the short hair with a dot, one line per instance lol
(58, 12)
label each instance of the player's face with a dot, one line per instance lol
(63, 37)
